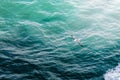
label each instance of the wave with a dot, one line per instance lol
(113, 74)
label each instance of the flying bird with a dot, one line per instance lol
(77, 40)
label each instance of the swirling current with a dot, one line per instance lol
(36, 40)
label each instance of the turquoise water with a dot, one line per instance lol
(36, 42)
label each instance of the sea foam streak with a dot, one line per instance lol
(113, 74)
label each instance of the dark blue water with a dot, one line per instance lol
(59, 40)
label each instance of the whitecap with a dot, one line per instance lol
(113, 74)
(26, 2)
(31, 23)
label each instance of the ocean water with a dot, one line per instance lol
(36, 41)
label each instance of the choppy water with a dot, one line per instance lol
(36, 43)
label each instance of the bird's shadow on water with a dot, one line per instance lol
(82, 45)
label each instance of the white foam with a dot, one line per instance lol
(31, 23)
(113, 74)
(26, 2)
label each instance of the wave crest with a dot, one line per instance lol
(113, 74)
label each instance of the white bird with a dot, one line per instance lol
(76, 40)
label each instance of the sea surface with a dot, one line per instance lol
(59, 39)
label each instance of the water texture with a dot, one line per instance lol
(36, 42)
